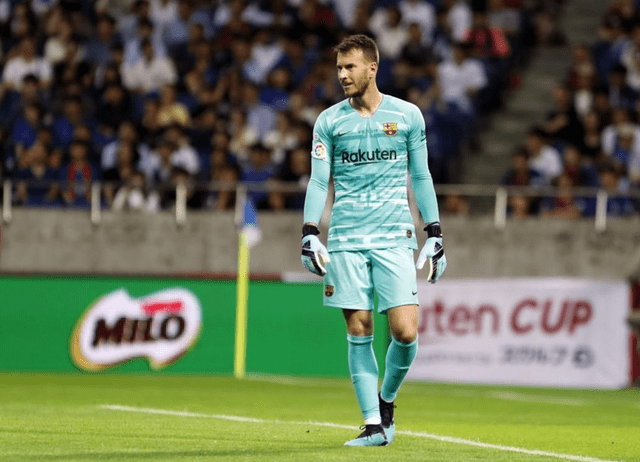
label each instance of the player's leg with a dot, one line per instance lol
(403, 323)
(348, 285)
(364, 375)
(394, 278)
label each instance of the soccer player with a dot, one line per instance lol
(368, 142)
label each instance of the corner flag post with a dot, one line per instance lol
(249, 235)
(242, 298)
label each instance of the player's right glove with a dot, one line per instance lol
(433, 252)
(314, 254)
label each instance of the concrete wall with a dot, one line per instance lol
(66, 241)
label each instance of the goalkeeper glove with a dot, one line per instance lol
(314, 254)
(433, 252)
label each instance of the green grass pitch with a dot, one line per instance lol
(160, 418)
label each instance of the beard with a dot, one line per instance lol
(357, 88)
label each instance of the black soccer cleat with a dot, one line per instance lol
(386, 414)
(373, 435)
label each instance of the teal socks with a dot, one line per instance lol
(364, 375)
(400, 356)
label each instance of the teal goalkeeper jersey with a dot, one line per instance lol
(369, 158)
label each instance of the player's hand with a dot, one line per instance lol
(433, 252)
(314, 254)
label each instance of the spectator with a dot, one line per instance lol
(519, 206)
(583, 96)
(13, 102)
(257, 171)
(265, 53)
(134, 195)
(582, 67)
(630, 59)
(621, 139)
(170, 110)
(56, 48)
(507, 18)
(189, 14)
(202, 62)
(158, 169)
(580, 172)
(114, 178)
(421, 12)
(542, 157)
(242, 134)
(276, 93)
(127, 134)
(415, 54)
(456, 205)
(64, 126)
(619, 204)
(150, 73)
(564, 205)
(115, 106)
(35, 180)
(282, 138)
(184, 156)
(180, 177)
(317, 20)
(297, 170)
(221, 171)
(458, 17)
(391, 34)
(24, 132)
(150, 129)
(520, 173)
(591, 146)
(602, 105)
(128, 24)
(77, 176)
(133, 47)
(162, 13)
(626, 147)
(487, 42)
(98, 48)
(461, 79)
(563, 122)
(260, 116)
(621, 95)
(25, 63)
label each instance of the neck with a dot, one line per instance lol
(367, 104)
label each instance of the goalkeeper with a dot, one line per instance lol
(368, 142)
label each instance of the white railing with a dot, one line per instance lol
(500, 195)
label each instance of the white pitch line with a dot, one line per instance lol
(446, 439)
(539, 399)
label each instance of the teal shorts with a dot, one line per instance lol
(352, 277)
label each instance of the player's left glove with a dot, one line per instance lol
(314, 253)
(433, 252)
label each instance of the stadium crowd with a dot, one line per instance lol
(591, 138)
(147, 94)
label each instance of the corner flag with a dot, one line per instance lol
(249, 236)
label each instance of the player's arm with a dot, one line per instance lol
(425, 194)
(314, 253)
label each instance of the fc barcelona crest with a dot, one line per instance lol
(390, 128)
(328, 290)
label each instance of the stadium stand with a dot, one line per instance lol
(199, 90)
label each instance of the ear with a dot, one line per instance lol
(373, 69)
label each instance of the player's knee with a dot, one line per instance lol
(360, 329)
(405, 334)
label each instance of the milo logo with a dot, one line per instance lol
(160, 327)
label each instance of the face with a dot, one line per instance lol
(78, 152)
(355, 73)
(571, 156)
